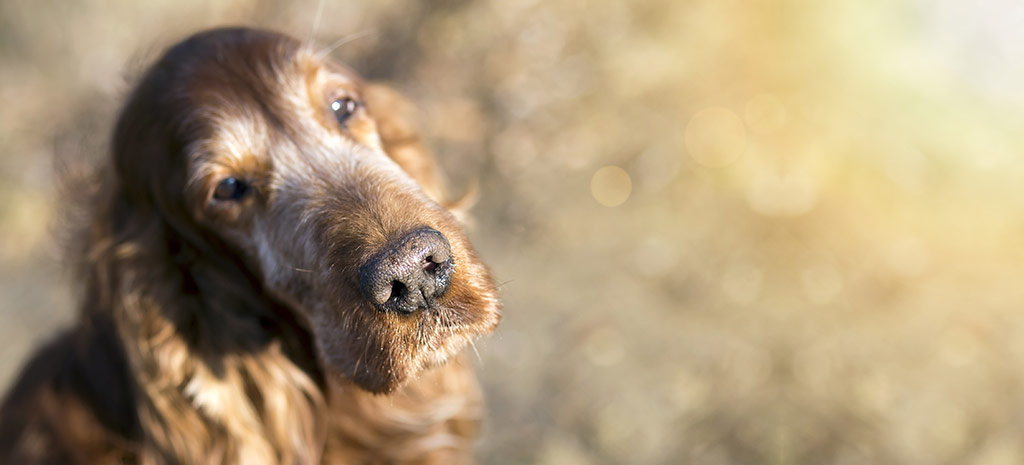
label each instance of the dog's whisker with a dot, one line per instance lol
(323, 53)
(316, 21)
(472, 344)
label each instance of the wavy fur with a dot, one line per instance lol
(233, 333)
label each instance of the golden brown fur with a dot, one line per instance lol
(224, 332)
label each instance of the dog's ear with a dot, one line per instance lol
(395, 117)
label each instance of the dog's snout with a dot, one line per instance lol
(408, 274)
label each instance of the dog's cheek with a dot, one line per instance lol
(281, 258)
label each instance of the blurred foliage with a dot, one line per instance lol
(728, 232)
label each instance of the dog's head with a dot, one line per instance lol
(301, 171)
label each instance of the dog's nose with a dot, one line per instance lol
(408, 274)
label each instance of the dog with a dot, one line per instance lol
(271, 275)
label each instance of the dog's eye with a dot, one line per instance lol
(230, 189)
(343, 108)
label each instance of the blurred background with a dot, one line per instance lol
(727, 232)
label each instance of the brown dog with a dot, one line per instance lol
(270, 278)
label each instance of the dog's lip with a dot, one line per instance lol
(450, 323)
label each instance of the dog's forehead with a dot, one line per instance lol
(251, 69)
(247, 99)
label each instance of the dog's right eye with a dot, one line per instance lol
(230, 189)
(344, 108)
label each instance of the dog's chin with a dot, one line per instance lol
(401, 366)
(379, 383)
(392, 350)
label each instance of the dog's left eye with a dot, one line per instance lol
(230, 189)
(343, 108)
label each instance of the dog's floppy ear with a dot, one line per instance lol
(395, 117)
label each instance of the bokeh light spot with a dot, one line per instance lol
(775, 195)
(716, 137)
(611, 186)
(765, 114)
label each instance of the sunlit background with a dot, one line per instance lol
(727, 232)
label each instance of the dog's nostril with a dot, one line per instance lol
(408, 274)
(397, 290)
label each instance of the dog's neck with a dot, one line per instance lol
(432, 419)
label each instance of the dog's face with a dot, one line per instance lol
(277, 153)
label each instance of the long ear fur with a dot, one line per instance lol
(201, 397)
(222, 373)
